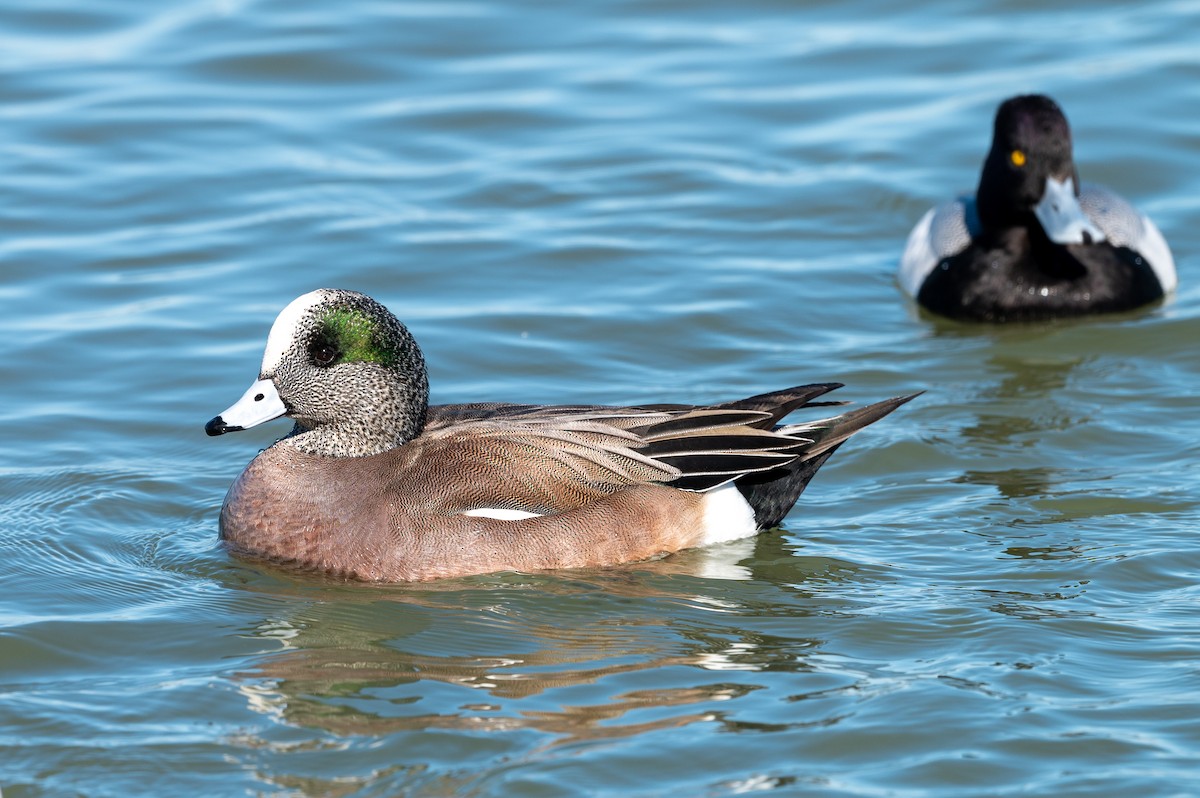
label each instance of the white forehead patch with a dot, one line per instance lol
(283, 331)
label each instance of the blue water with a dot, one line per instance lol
(992, 592)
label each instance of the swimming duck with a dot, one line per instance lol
(374, 484)
(1034, 243)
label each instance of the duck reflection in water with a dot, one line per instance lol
(333, 667)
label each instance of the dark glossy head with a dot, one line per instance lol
(1031, 144)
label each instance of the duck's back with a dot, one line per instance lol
(1126, 227)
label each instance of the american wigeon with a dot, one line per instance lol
(1034, 243)
(374, 484)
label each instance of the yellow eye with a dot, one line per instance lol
(1018, 158)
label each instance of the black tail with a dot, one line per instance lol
(772, 493)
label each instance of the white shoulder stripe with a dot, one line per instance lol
(500, 514)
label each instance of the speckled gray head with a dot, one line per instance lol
(345, 369)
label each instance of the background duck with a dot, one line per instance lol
(1034, 243)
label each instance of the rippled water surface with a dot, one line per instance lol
(992, 592)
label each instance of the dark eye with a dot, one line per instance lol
(324, 354)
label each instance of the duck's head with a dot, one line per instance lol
(344, 369)
(1030, 173)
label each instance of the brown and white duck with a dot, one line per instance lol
(372, 483)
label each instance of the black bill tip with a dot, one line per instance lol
(218, 427)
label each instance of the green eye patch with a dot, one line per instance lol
(355, 336)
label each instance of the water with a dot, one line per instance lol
(992, 592)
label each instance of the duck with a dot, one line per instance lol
(374, 484)
(1034, 243)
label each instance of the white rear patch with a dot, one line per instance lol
(727, 516)
(279, 340)
(500, 514)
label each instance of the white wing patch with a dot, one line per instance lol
(500, 514)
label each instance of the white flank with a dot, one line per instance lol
(727, 516)
(918, 259)
(1156, 252)
(279, 340)
(500, 514)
